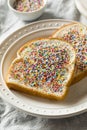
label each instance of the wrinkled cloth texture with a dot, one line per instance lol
(10, 117)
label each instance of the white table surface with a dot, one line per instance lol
(10, 117)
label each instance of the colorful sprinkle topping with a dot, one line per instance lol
(45, 65)
(28, 5)
(78, 39)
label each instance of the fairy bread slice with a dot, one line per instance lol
(44, 67)
(76, 35)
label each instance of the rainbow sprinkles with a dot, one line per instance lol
(45, 65)
(76, 35)
(28, 5)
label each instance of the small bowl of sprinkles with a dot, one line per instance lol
(27, 10)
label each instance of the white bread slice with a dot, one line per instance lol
(76, 35)
(44, 69)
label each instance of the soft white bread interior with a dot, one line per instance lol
(43, 67)
(76, 35)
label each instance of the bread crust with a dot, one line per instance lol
(83, 74)
(30, 43)
(60, 28)
(32, 91)
(79, 77)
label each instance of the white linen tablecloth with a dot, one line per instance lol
(10, 117)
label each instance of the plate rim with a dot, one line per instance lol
(30, 24)
(68, 113)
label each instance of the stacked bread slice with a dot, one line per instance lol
(43, 67)
(46, 67)
(76, 35)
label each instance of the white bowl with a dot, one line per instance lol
(27, 16)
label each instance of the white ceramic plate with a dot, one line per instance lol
(76, 100)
